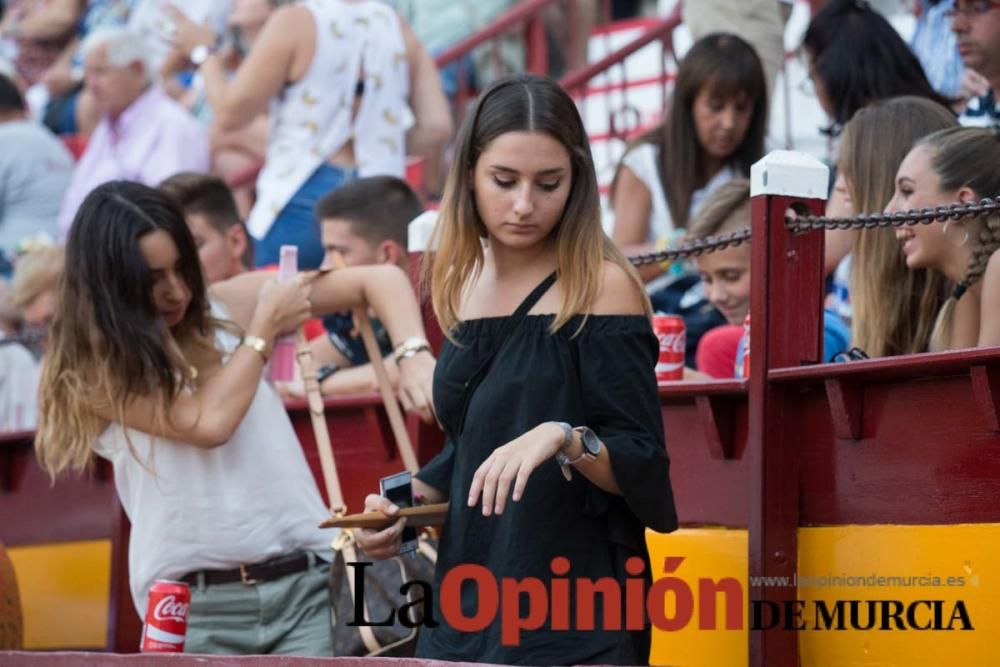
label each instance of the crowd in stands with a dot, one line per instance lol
(310, 110)
(160, 153)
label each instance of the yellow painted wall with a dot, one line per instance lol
(713, 553)
(967, 551)
(64, 593)
(971, 551)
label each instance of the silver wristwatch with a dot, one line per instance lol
(200, 54)
(591, 447)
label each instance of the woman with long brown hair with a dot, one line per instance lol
(555, 437)
(713, 132)
(889, 303)
(150, 371)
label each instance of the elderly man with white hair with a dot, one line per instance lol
(143, 134)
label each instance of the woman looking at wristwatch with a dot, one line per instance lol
(520, 223)
(148, 369)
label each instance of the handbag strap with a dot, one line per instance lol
(317, 416)
(509, 326)
(328, 462)
(396, 420)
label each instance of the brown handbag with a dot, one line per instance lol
(385, 634)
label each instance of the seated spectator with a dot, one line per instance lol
(19, 376)
(977, 26)
(37, 32)
(365, 221)
(67, 108)
(713, 132)
(35, 170)
(35, 285)
(893, 307)
(340, 78)
(143, 134)
(936, 48)
(855, 57)
(955, 165)
(726, 275)
(32, 294)
(224, 246)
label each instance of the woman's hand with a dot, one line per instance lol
(513, 462)
(281, 307)
(187, 34)
(416, 381)
(385, 543)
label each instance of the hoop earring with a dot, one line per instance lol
(965, 234)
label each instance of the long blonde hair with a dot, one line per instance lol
(967, 157)
(522, 103)
(893, 307)
(107, 345)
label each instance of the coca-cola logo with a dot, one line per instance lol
(170, 609)
(672, 342)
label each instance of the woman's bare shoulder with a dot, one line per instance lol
(619, 293)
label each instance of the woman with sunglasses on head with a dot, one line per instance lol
(950, 166)
(555, 437)
(163, 378)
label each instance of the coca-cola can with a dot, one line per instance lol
(166, 617)
(672, 335)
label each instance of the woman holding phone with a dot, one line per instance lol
(555, 437)
(163, 378)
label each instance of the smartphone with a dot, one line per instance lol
(398, 488)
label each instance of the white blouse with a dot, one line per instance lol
(192, 508)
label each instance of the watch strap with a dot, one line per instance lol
(256, 343)
(561, 457)
(410, 348)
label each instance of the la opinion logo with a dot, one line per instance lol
(529, 604)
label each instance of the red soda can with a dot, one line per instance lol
(670, 331)
(166, 617)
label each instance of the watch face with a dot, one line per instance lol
(591, 443)
(199, 54)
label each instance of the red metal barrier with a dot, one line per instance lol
(906, 441)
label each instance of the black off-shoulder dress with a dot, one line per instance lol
(602, 378)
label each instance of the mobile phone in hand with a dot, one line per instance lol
(398, 489)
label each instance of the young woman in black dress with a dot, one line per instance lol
(572, 381)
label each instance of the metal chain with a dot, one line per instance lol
(797, 224)
(923, 216)
(694, 248)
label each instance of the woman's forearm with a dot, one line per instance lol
(385, 288)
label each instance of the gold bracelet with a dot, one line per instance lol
(410, 348)
(256, 343)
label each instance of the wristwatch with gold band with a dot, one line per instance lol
(257, 343)
(410, 348)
